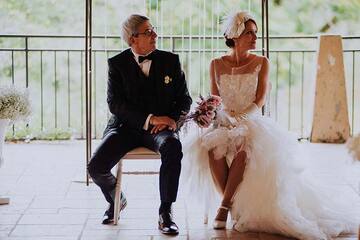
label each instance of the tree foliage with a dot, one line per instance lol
(286, 17)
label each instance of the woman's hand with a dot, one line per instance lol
(242, 117)
(249, 111)
(204, 121)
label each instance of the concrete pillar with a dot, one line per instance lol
(330, 119)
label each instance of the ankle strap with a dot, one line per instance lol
(223, 207)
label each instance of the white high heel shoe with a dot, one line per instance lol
(218, 224)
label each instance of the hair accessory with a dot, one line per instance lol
(234, 24)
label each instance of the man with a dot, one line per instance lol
(146, 95)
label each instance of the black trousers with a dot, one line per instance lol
(118, 141)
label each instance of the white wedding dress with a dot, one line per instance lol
(278, 193)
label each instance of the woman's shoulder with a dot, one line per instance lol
(219, 66)
(260, 62)
(261, 59)
(258, 57)
(216, 60)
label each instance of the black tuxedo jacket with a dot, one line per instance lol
(132, 96)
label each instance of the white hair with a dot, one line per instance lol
(234, 24)
(130, 26)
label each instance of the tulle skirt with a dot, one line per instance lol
(280, 192)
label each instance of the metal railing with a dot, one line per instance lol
(52, 67)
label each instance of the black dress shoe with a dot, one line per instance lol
(108, 217)
(166, 224)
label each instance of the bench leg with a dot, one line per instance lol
(117, 192)
(4, 201)
(206, 217)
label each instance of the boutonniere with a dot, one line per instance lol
(167, 79)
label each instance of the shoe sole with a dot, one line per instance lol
(168, 233)
(122, 206)
(108, 223)
(219, 228)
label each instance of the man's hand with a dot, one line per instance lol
(159, 121)
(158, 128)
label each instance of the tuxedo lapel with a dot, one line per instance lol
(134, 70)
(153, 81)
(153, 71)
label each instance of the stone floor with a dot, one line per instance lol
(49, 201)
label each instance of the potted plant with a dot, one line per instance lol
(14, 106)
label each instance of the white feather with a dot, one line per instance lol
(234, 24)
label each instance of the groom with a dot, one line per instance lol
(146, 95)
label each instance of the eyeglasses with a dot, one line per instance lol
(148, 32)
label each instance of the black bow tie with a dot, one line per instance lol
(142, 58)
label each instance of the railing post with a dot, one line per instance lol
(353, 95)
(27, 138)
(262, 29)
(26, 61)
(265, 34)
(172, 44)
(88, 74)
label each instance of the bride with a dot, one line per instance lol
(254, 164)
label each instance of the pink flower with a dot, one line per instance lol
(204, 113)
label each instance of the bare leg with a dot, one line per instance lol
(235, 176)
(219, 172)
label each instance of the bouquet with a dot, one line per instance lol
(204, 113)
(14, 103)
(353, 145)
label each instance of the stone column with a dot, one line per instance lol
(330, 119)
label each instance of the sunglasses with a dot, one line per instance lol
(148, 32)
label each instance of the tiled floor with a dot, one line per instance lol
(48, 203)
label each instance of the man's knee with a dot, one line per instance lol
(171, 148)
(97, 164)
(171, 144)
(92, 170)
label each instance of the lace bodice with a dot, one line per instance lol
(237, 88)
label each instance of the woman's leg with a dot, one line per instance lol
(219, 172)
(235, 177)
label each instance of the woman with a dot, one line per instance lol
(254, 163)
